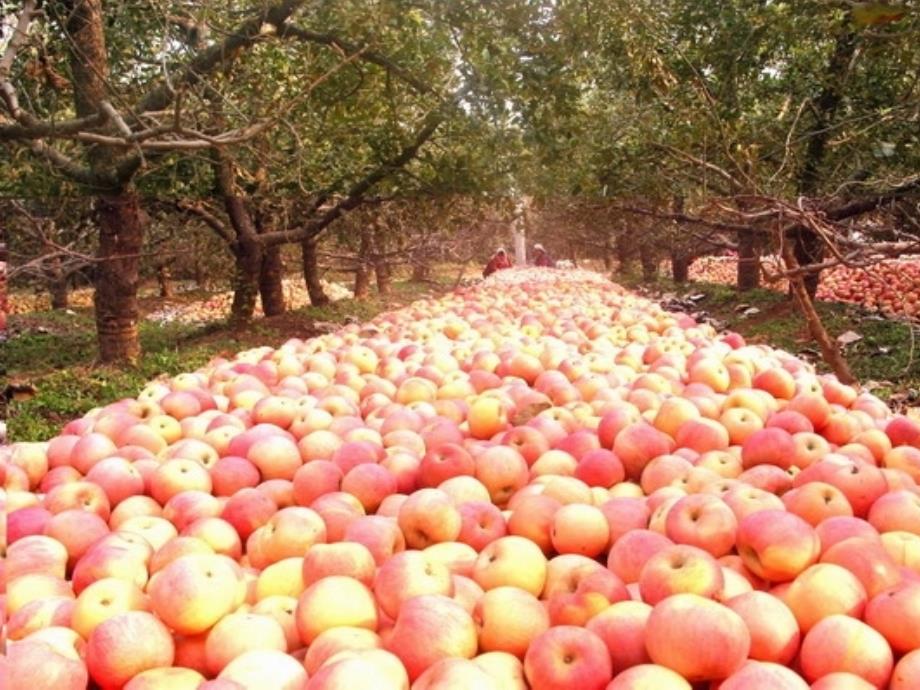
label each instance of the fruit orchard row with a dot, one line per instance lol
(540, 482)
(891, 287)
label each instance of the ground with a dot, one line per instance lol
(50, 358)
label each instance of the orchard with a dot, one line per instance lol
(542, 481)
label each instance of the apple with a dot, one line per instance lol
(906, 672)
(776, 545)
(102, 600)
(764, 675)
(567, 656)
(680, 568)
(648, 677)
(428, 517)
(892, 612)
(823, 590)
(125, 645)
(841, 643)
(265, 668)
(774, 630)
(334, 640)
(194, 592)
(506, 670)
(166, 678)
(622, 628)
(237, 633)
(532, 518)
(332, 602)
(631, 552)
(38, 664)
(703, 521)
(579, 528)
(697, 637)
(428, 628)
(381, 535)
(39, 614)
(499, 631)
(511, 561)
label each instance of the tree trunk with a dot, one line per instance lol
(271, 285)
(680, 267)
(608, 255)
(164, 280)
(247, 269)
(318, 296)
(58, 288)
(829, 350)
(362, 272)
(748, 276)
(649, 264)
(201, 275)
(121, 238)
(625, 252)
(809, 249)
(421, 271)
(381, 265)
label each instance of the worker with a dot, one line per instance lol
(541, 258)
(499, 260)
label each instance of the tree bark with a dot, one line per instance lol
(318, 296)
(117, 274)
(680, 266)
(381, 265)
(748, 276)
(271, 285)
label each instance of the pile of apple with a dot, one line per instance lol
(891, 287)
(539, 482)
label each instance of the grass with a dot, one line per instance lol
(55, 353)
(885, 358)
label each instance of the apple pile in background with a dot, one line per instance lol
(891, 287)
(539, 482)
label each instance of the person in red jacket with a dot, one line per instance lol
(541, 258)
(498, 261)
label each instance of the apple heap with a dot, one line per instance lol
(891, 286)
(541, 482)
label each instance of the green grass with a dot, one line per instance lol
(55, 352)
(884, 355)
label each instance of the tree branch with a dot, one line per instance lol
(291, 31)
(356, 193)
(247, 34)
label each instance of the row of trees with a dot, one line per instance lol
(747, 124)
